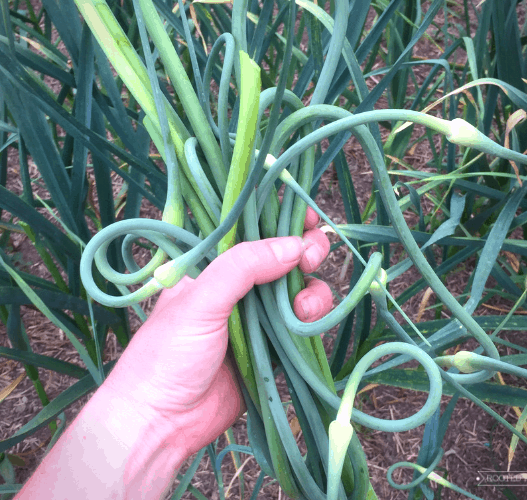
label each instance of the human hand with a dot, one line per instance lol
(175, 365)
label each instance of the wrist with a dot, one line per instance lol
(150, 447)
(111, 450)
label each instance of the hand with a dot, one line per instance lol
(172, 392)
(176, 365)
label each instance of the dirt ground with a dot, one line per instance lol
(473, 441)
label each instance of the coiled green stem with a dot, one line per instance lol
(341, 430)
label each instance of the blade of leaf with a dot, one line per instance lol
(37, 302)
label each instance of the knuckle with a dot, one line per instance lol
(246, 256)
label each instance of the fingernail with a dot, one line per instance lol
(287, 250)
(312, 218)
(313, 256)
(311, 305)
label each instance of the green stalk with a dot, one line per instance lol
(129, 67)
(238, 28)
(303, 345)
(341, 431)
(458, 132)
(241, 161)
(244, 146)
(295, 278)
(265, 382)
(124, 59)
(187, 184)
(311, 349)
(185, 92)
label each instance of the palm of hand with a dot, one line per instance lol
(175, 363)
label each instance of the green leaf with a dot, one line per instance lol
(457, 204)
(371, 494)
(41, 361)
(19, 208)
(56, 300)
(418, 381)
(37, 302)
(189, 474)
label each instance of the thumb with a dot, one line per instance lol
(230, 276)
(170, 294)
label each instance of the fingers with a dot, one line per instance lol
(315, 241)
(312, 219)
(316, 250)
(228, 278)
(313, 302)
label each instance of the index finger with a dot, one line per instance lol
(312, 219)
